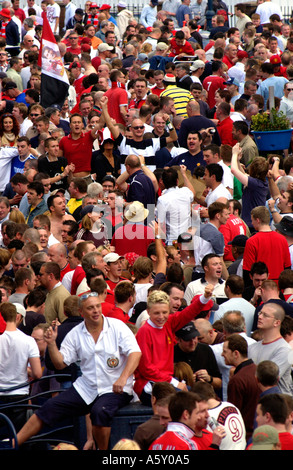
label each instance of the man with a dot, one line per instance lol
(212, 154)
(196, 122)
(258, 273)
(57, 253)
(18, 351)
(49, 277)
(214, 82)
(212, 267)
(149, 14)
(230, 56)
(281, 202)
(180, 97)
(55, 166)
(137, 145)
(12, 35)
(136, 182)
(78, 143)
(286, 105)
(173, 206)
(117, 97)
(35, 198)
(217, 191)
(14, 72)
(56, 204)
(24, 154)
(272, 410)
(183, 408)
(249, 150)
(183, 79)
(109, 391)
(77, 190)
(273, 346)
(25, 281)
(207, 334)
(225, 123)
(140, 91)
(243, 390)
(53, 14)
(159, 86)
(125, 298)
(198, 355)
(114, 269)
(266, 9)
(193, 157)
(234, 288)
(270, 80)
(263, 243)
(233, 322)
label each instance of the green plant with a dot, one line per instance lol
(273, 121)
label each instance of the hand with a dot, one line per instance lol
(142, 159)
(208, 292)
(104, 101)
(271, 204)
(202, 375)
(89, 445)
(218, 434)
(118, 386)
(166, 117)
(182, 386)
(50, 334)
(183, 169)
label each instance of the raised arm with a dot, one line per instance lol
(106, 116)
(235, 165)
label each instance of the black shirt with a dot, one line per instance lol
(201, 358)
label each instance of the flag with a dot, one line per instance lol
(54, 80)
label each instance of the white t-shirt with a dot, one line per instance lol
(16, 348)
(53, 12)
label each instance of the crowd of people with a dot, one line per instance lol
(146, 245)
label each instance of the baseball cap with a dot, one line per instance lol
(20, 309)
(111, 257)
(264, 437)
(197, 64)
(105, 47)
(162, 46)
(275, 59)
(105, 6)
(184, 237)
(122, 4)
(239, 240)
(79, 11)
(56, 191)
(169, 77)
(242, 54)
(94, 5)
(9, 86)
(232, 81)
(188, 332)
(142, 56)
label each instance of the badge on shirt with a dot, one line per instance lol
(112, 362)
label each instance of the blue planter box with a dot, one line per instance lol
(272, 140)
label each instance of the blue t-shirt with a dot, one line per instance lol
(190, 161)
(254, 195)
(17, 166)
(180, 14)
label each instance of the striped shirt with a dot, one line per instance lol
(181, 98)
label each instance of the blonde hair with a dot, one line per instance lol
(126, 444)
(17, 216)
(157, 297)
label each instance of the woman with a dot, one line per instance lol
(92, 227)
(255, 184)
(9, 130)
(106, 161)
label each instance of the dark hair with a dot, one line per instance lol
(259, 267)
(275, 404)
(36, 186)
(216, 170)
(235, 284)
(180, 402)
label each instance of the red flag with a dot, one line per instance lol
(54, 80)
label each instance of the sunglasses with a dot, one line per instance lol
(91, 294)
(138, 127)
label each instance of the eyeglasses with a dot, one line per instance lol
(138, 127)
(34, 114)
(265, 315)
(91, 294)
(289, 89)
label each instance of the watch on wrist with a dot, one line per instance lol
(158, 237)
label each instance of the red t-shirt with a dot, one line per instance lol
(117, 97)
(234, 226)
(157, 91)
(176, 50)
(118, 313)
(78, 151)
(211, 84)
(270, 248)
(225, 132)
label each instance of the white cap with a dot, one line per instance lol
(111, 257)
